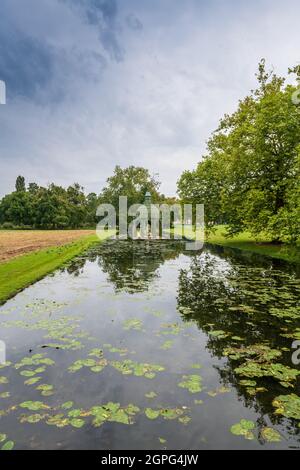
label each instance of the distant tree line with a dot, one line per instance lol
(250, 176)
(54, 207)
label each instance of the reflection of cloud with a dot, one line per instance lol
(95, 83)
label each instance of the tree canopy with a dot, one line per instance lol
(55, 207)
(250, 176)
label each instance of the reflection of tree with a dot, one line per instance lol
(75, 267)
(133, 265)
(232, 300)
(130, 265)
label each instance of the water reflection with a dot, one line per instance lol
(131, 266)
(250, 315)
(126, 306)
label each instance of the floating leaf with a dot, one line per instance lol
(167, 345)
(244, 428)
(67, 405)
(192, 382)
(270, 435)
(184, 419)
(9, 445)
(287, 405)
(133, 324)
(32, 419)
(77, 423)
(34, 405)
(32, 381)
(128, 367)
(152, 414)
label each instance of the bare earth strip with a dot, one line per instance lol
(18, 242)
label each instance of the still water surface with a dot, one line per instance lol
(139, 345)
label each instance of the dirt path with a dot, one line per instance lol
(18, 242)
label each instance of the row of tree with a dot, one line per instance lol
(250, 177)
(55, 207)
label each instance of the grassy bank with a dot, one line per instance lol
(20, 272)
(245, 241)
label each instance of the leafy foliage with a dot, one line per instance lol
(250, 177)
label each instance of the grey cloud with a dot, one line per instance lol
(133, 22)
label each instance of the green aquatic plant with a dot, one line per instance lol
(218, 334)
(244, 428)
(259, 352)
(167, 345)
(162, 440)
(9, 445)
(218, 391)
(34, 405)
(45, 389)
(170, 329)
(165, 413)
(113, 412)
(32, 381)
(191, 382)
(35, 360)
(32, 419)
(151, 395)
(67, 405)
(92, 364)
(283, 374)
(128, 367)
(132, 324)
(198, 402)
(270, 435)
(287, 405)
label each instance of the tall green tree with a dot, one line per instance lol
(20, 184)
(249, 176)
(132, 182)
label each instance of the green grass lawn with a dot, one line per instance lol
(245, 241)
(20, 272)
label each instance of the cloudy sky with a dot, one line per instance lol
(95, 83)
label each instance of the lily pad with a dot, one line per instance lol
(34, 405)
(270, 435)
(192, 382)
(287, 405)
(244, 428)
(9, 445)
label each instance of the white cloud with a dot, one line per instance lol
(185, 65)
